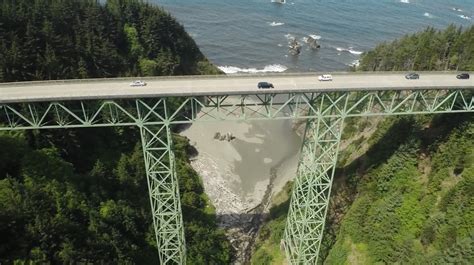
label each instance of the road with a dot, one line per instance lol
(221, 85)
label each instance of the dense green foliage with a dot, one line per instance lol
(410, 198)
(54, 39)
(81, 196)
(417, 205)
(429, 50)
(268, 250)
(413, 199)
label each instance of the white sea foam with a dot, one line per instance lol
(289, 36)
(464, 17)
(350, 50)
(276, 68)
(355, 52)
(457, 9)
(274, 24)
(280, 45)
(314, 36)
(354, 63)
(405, 1)
(426, 14)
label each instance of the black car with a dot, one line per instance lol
(463, 76)
(412, 76)
(264, 85)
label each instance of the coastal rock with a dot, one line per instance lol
(294, 48)
(312, 43)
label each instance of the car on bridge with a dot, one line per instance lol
(138, 83)
(263, 85)
(325, 78)
(463, 76)
(412, 76)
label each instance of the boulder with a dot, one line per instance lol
(313, 43)
(294, 48)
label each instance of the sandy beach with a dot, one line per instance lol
(236, 173)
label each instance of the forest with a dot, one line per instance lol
(81, 195)
(428, 50)
(408, 195)
(54, 39)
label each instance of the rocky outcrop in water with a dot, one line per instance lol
(313, 43)
(294, 48)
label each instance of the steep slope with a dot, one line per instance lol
(403, 192)
(81, 39)
(415, 205)
(81, 195)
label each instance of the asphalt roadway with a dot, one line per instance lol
(222, 85)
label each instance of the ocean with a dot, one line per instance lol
(252, 36)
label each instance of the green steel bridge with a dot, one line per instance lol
(178, 100)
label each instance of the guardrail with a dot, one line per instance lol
(237, 75)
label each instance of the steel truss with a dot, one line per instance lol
(325, 112)
(103, 113)
(162, 183)
(312, 185)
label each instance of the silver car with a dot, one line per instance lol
(138, 83)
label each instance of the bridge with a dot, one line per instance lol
(167, 101)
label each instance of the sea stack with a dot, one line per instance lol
(294, 48)
(313, 43)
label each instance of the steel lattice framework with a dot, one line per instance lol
(325, 113)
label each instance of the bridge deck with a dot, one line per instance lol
(221, 85)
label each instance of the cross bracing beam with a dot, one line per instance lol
(103, 113)
(325, 112)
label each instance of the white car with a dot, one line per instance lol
(325, 78)
(138, 83)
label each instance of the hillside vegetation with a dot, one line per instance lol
(54, 39)
(410, 198)
(429, 50)
(416, 204)
(80, 196)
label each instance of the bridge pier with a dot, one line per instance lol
(312, 185)
(163, 188)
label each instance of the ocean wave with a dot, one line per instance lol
(314, 36)
(354, 63)
(289, 36)
(350, 50)
(405, 1)
(457, 9)
(464, 17)
(275, 68)
(426, 14)
(274, 24)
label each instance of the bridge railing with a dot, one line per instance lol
(223, 76)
